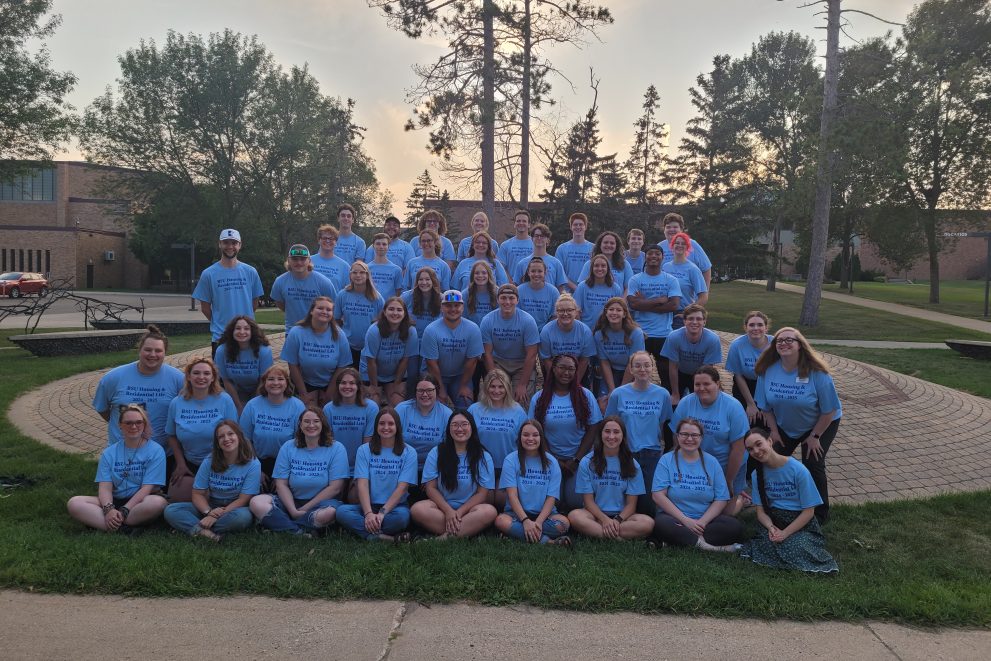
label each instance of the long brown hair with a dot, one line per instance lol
(404, 324)
(598, 462)
(245, 452)
(420, 303)
(375, 442)
(187, 388)
(231, 348)
(490, 287)
(677, 447)
(608, 280)
(326, 433)
(808, 359)
(307, 321)
(579, 403)
(618, 259)
(628, 325)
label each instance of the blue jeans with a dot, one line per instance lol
(185, 518)
(351, 517)
(648, 459)
(452, 384)
(569, 499)
(278, 519)
(552, 529)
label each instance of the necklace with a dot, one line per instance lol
(130, 459)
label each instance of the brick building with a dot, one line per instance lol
(55, 220)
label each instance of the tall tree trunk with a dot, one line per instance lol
(932, 246)
(772, 280)
(488, 108)
(824, 171)
(525, 116)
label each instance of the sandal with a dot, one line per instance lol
(564, 541)
(209, 534)
(402, 538)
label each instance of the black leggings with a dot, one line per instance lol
(816, 466)
(720, 531)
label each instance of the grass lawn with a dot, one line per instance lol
(837, 321)
(270, 316)
(922, 562)
(964, 298)
(947, 368)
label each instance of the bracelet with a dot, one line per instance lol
(124, 511)
(205, 513)
(619, 517)
(107, 508)
(816, 436)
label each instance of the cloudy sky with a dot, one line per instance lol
(352, 52)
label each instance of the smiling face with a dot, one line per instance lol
(787, 344)
(600, 267)
(479, 223)
(564, 371)
(480, 245)
(386, 427)
(460, 428)
(694, 323)
(229, 248)
(755, 327)
(452, 311)
(227, 439)
(521, 223)
(348, 387)
(612, 437)
(345, 219)
(496, 391)
(359, 275)
(327, 243)
(642, 368)
(706, 389)
(540, 240)
(652, 258)
(392, 228)
(310, 425)
(151, 355)
(608, 245)
(394, 312)
(530, 439)
(299, 266)
(242, 332)
(671, 228)
(689, 437)
(323, 312)
(508, 302)
(758, 446)
(615, 314)
(201, 377)
(426, 394)
(424, 283)
(479, 274)
(578, 227)
(427, 245)
(132, 424)
(636, 242)
(566, 312)
(680, 247)
(276, 383)
(536, 271)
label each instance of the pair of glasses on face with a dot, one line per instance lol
(425, 391)
(785, 341)
(689, 435)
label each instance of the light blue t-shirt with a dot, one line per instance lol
(387, 352)
(462, 274)
(421, 320)
(268, 426)
(577, 342)
(636, 263)
(654, 324)
(689, 279)
(400, 252)
(609, 489)
(351, 424)
(465, 245)
(509, 338)
(466, 483)
(561, 423)
(692, 355)
(498, 428)
(438, 265)
(384, 471)
(788, 488)
(687, 485)
(724, 422)
(591, 300)
(697, 256)
(350, 248)
(532, 486)
(310, 470)
(797, 402)
(230, 292)
(573, 256)
(297, 294)
(611, 345)
(333, 268)
(129, 469)
(538, 303)
(620, 277)
(316, 354)
(388, 278)
(356, 313)
(422, 432)
(483, 305)
(742, 356)
(225, 487)
(446, 250)
(153, 392)
(643, 412)
(245, 372)
(193, 421)
(512, 251)
(555, 277)
(451, 347)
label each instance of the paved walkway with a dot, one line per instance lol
(82, 628)
(894, 308)
(900, 437)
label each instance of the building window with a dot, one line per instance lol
(35, 186)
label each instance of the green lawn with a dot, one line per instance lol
(270, 316)
(947, 368)
(889, 570)
(964, 298)
(838, 321)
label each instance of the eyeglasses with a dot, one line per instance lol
(460, 425)
(425, 391)
(785, 341)
(689, 435)
(540, 235)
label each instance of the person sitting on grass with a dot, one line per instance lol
(789, 536)
(129, 478)
(457, 479)
(222, 489)
(532, 480)
(609, 481)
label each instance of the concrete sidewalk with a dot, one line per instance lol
(893, 308)
(36, 626)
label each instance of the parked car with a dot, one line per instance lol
(16, 284)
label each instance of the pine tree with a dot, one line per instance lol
(646, 162)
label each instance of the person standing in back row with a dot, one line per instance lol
(227, 288)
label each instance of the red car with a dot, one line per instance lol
(16, 284)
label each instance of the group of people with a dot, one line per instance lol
(410, 393)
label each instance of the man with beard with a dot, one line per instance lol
(400, 251)
(227, 288)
